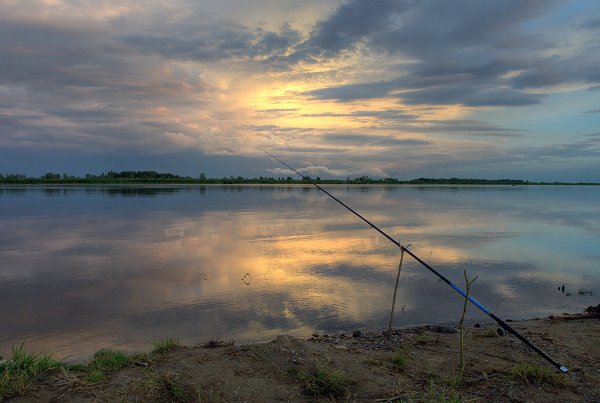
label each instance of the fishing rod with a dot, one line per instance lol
(503, 325)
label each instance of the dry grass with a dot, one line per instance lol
(325, 379)
(164, 345)
(532, 374)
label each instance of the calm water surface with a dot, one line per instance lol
(83, 268)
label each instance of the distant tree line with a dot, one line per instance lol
(150, 177)
(463, 181)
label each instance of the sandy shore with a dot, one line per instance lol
(417, 364)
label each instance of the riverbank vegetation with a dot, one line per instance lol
(153, 177)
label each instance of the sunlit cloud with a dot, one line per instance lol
(218, 79)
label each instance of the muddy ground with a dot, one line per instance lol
(417, 364)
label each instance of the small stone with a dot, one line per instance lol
(445, 329)
(316, 335)
(477, 325)
(357, 333)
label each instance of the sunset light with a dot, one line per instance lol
(354, 86)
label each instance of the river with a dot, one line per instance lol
(82, 268)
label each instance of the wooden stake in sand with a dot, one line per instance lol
(395, 290)
(468, 284)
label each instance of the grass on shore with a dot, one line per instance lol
(25, 373)
(109, 360)
(326, 380)
(165, 386)
(398, 360)
(162, 346)
(104, 361)
(18, 372)
(442, 392)
(532, 374)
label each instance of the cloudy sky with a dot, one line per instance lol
(401, 88)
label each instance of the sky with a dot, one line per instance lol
(400, 88)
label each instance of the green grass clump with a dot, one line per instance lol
(106, 360)
(76, 367)
(17, 372)
(163, 345)
(109, 360)
(528, 374)
(326, 380)
(165, 386)
(95, 376)
(398, 360)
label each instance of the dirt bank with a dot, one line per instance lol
(418, 364)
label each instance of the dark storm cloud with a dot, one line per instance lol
(207, 45)
(594, 23)
(96, 115)
(456, 89)
(45, 54)
(400, 120)
(554, 71)
(468, 95)
(67, 85)
(214, 41)
(468, 127)
(11, 122)
(366, 139)
(275, 43)
(469, 26)
(560, 152)
(352, 22)
(461, 52)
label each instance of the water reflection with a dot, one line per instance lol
(92, 269)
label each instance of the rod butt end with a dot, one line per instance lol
(564, 369)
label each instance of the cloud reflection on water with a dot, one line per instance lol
(88, 268)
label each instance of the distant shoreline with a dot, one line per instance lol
(158, 178)
(291, 183)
